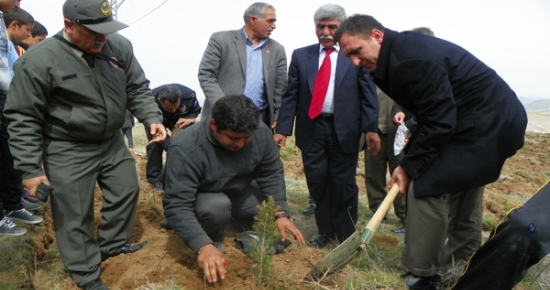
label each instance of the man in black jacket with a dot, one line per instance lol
(179, 107)
(469, 122)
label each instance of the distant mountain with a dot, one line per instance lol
(527, 100)
(538, 106)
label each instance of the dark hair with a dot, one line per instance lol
(359, 25)
(236, 113)
(169, 93)
(38, 29)
(20, 15)
(424, 30)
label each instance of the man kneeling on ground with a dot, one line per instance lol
(222, 168)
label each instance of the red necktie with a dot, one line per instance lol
(320, 87)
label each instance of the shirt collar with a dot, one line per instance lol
(248, 41)
(384, 55)
(210, 134)
(335, 46)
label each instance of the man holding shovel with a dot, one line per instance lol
(469, 122)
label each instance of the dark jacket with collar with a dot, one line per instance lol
(469, 119)
(189, 106)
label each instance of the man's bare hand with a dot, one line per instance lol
(32, 183)
(399, 118)
(183, 123)
(280, 140)
(402, 178)
(211, 260)
(284, 224)
(158, 132)
(373, 142)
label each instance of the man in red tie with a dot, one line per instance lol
(333, 102)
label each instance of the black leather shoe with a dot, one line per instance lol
(400, 230)
(406, 276)
(164, 224)
(158, 186)
(423, 283)
(126, 249)
(309, 211)
(319, 241)
(94, 285)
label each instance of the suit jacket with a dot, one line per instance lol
(222, 70)
(469, 119)
(355, 100)
(385, 114)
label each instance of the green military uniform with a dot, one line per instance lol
(376, 167)
(67, 116)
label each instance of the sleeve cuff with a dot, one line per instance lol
(198, 242)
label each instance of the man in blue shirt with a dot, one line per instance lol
(246, 61)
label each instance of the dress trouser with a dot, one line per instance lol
(376, 168)
(154, 157)
(128, 133)
(10, 180)
(214, 209)
(515, 245)
(431, 220)
(73, 169)
(330, 176)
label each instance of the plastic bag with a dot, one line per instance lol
(401, 139)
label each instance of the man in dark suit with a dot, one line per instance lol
(469, 122)
(246, 61)
(328, 129)
(180, 108)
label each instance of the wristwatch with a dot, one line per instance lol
(282, 215)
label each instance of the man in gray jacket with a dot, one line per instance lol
(246, 61)
(66, 106)
(220, 168)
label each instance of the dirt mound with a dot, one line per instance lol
(167, 261)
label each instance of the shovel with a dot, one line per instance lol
(342, 254)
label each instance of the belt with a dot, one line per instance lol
(326, 117)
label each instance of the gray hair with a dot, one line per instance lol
(329, 12)
(256, 9)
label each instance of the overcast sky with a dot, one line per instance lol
(511, 36)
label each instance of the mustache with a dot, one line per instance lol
(270, 29)
(98, 42)
(329, 37)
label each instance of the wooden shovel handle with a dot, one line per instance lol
(383, 209)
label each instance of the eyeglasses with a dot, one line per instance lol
(330, 26)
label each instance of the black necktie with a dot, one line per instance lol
(89, 58)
